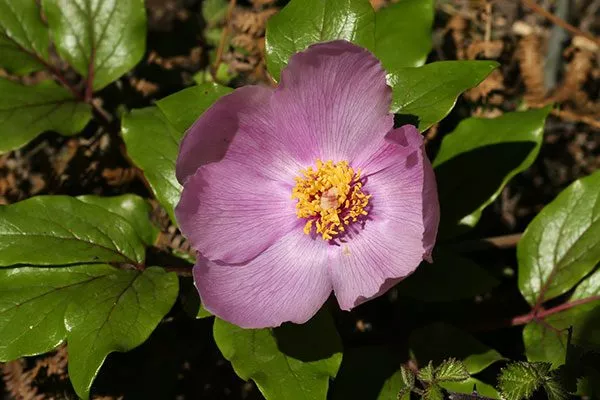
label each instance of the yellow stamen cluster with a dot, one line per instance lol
(330, 198)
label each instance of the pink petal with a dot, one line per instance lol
(333, 102)
(288, 282)
(230, 212)
(238, 126)
(402, 223)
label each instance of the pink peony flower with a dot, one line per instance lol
(293, 192)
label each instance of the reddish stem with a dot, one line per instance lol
(533, 315)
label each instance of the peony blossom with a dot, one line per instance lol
(294, 192)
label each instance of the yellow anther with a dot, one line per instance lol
(330, 198)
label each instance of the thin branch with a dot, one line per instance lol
(224, 35)
(496, 242)
(540, 315)
(560, 22)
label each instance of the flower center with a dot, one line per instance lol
(330, 198)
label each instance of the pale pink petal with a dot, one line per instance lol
(333, 102)
(402, 224)
(230, 212)
(238, 126)
(287, 282)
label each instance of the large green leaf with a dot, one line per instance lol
(562, 244)
(33, 303)
(50, 230)
(450, 277)
(184, 107)
(304, 22)
(133, 208)
(466, 386)
(546, 339)
(369, 373)
(289, 362)
(27, 111)
(114, 314)
(101, 39)
(24, 39)
(440, 341)
(500, 148)
(430, 92)
(152, 143)
(403, 33)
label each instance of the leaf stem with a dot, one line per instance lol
(533, 315)
(496, 242)
(224, 35)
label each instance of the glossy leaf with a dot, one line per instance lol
(23, 37)
(439, 341)
(133, 208)
(547, 341)
(562, 244)
(500, 148)
(403, 33)
(102, 40)
(430, 92)
(183, 108)
(50, 230)
(304, 22)
(152, 143)
(27, 111)
(371, 372)
(33, 303)
(450, 277)
(467, 386)
(289, 362)
(114, 314)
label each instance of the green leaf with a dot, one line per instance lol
(133, 208)
(408, 377)
(184, 107)
(102, 40)
(502, 147)
(520, 379)
(467, 386)
(450, 277)
(439, 341)
(190, 300)
(547, 340)
(33, 303)
(562, 244)
(290, 362)
(430, 92)
(451, 370)
(115, 314)
(304, 22)
(27, 111)
(554, 389)
(426, 373)
(403, 33)
(214, 11)
(372, 372)
(50, 230)
(152, 143)
(23, 37)
(433, 392)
